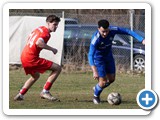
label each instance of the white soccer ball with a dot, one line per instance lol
(114, 98)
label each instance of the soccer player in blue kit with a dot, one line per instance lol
(101, 58)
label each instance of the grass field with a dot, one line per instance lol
(74, 91)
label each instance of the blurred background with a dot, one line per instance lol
(80, 25)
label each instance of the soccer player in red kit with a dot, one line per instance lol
(34, 65)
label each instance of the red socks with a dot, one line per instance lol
(23, 91)
(47, 86)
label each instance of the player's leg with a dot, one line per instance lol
(106, 74)
(34, 77)
(110, 70)
(111, 78)
(103, 83)
(100, 85)
(98, 88)
(55, 71)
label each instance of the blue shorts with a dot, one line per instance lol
(105, 68)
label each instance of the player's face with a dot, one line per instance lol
(53, 26)
(103, 32)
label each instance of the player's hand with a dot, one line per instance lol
(95, 75)
(143, 42)
(54, 50)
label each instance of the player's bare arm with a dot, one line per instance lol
(40, 43)
(95, 73)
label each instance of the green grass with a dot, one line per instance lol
(74, 91)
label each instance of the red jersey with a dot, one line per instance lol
(30, 54)
(31, 49)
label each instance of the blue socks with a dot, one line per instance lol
(99, 89)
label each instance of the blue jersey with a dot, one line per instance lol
(101, 48)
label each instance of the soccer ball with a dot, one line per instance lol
(114, 98)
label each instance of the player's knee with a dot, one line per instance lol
(59, 68)
(111, 80)
(35, 76)
(103, 84)
(56, 68)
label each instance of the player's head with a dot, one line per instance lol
(103, 28)
(52, 22)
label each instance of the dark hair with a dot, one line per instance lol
(103, 23)
(52, 18)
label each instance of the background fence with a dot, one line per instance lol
(77, 37)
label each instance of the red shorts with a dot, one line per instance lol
(39, 65)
